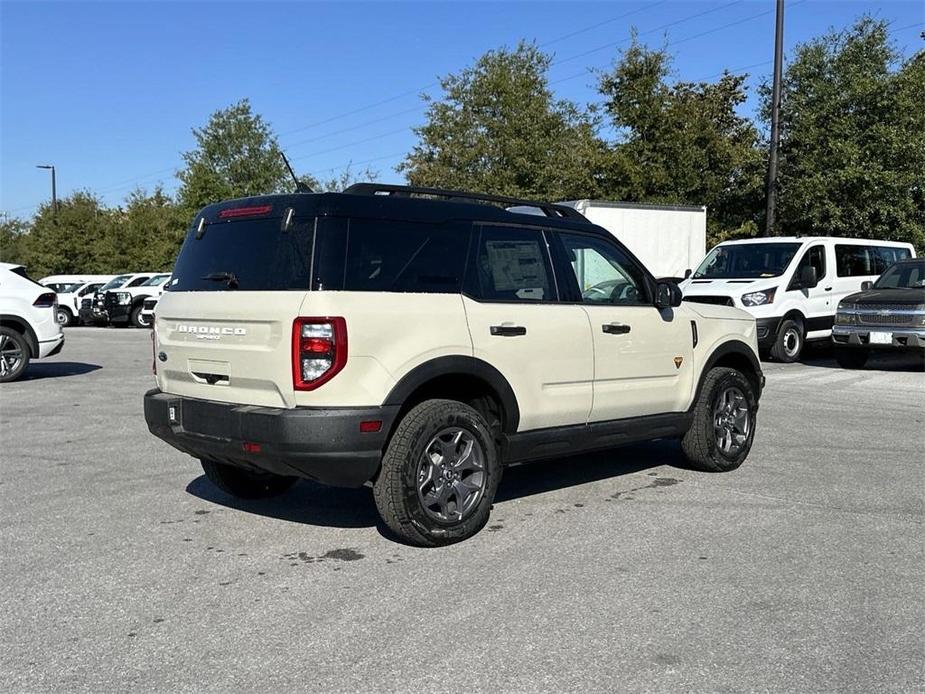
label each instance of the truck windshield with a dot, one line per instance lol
(903, 276)
(245, 255)
(115, 282)
(747, 260)
(154, 281)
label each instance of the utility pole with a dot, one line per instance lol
(54, 191)
(771, 210)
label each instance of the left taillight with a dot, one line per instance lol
(46, 300)
(319, 351)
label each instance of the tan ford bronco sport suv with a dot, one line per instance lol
(421, 339)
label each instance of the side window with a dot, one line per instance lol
(813, 257)
(138, 280)
(603, 272)
(398, 256)
(887, 255)
(511, 265)
(90, 288)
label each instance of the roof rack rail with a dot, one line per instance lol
(549, 209)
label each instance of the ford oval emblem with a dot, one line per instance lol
(162, 356)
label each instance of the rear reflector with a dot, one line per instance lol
(371, 427)
(235, 212)
(319, 351)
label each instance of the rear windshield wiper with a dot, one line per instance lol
(228, 277)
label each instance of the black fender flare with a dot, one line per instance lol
(458, 365)
(140, 300)
(738, 348)
(27, 331)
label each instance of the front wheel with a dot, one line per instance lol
(14, 355)
(723, 425)
(851, 358)
(245, 484)
(439, 474)
(789, 343)
(138, 319)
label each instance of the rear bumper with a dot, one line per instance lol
(903, 338)
(322, 444)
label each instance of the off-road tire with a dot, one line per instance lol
(783, 350)
(700, 442)
(16, 341)
(244, 484)
(396, 488)
(137, 320)
(64, 317)
(851, 357)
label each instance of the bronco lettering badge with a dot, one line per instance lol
(209, 332)
(678, 361)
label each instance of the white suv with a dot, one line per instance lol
(28, 322)
(384, 335)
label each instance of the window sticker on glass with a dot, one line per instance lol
(517, 266)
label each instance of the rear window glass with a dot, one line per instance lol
(247, 255)
(860, 261)
(367, 255)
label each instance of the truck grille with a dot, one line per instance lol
(720, 300)
(885, 314)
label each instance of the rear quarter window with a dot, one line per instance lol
(372, 255)
(859, 261)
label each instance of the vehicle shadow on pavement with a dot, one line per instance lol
(878, 361)
(307, 502)
(310, 503)
(57, 369)
(560, 473)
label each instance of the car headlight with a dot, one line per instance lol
(761, 298)
(123, 298)
(846, 314)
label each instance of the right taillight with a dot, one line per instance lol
(319, 351)
(46, 300)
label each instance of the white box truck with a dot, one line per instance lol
(668, 239)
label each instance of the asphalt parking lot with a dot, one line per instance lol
(123, 569)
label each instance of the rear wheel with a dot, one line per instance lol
(245, 484)
(65, 317)
(14, 355)
(723, 426)
(439, 474)
(849, 358)
(789, 343)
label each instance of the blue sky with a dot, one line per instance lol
(108, 91)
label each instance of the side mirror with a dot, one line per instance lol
(667, 294)
(808, 278)
(688, 273)
(866, 284)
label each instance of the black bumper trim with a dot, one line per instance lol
(322, 444)
(767, 330)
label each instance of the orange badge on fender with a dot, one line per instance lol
(678, 361)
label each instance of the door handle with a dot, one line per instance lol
(828, 289)
(615, 328)
(508, 330)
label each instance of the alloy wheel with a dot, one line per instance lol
(451, 475)
(11, 355)
(731, 421)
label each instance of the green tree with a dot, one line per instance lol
(852, 156)
(14, 239)
(499, 129)
(236, 155)
(682, 142)
(71, 240)
(150, 229)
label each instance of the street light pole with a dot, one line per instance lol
(771, 211)
(54, 191)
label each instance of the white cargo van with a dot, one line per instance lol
(792, 285)
(668, 239)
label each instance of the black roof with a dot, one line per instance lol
(373, 200)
